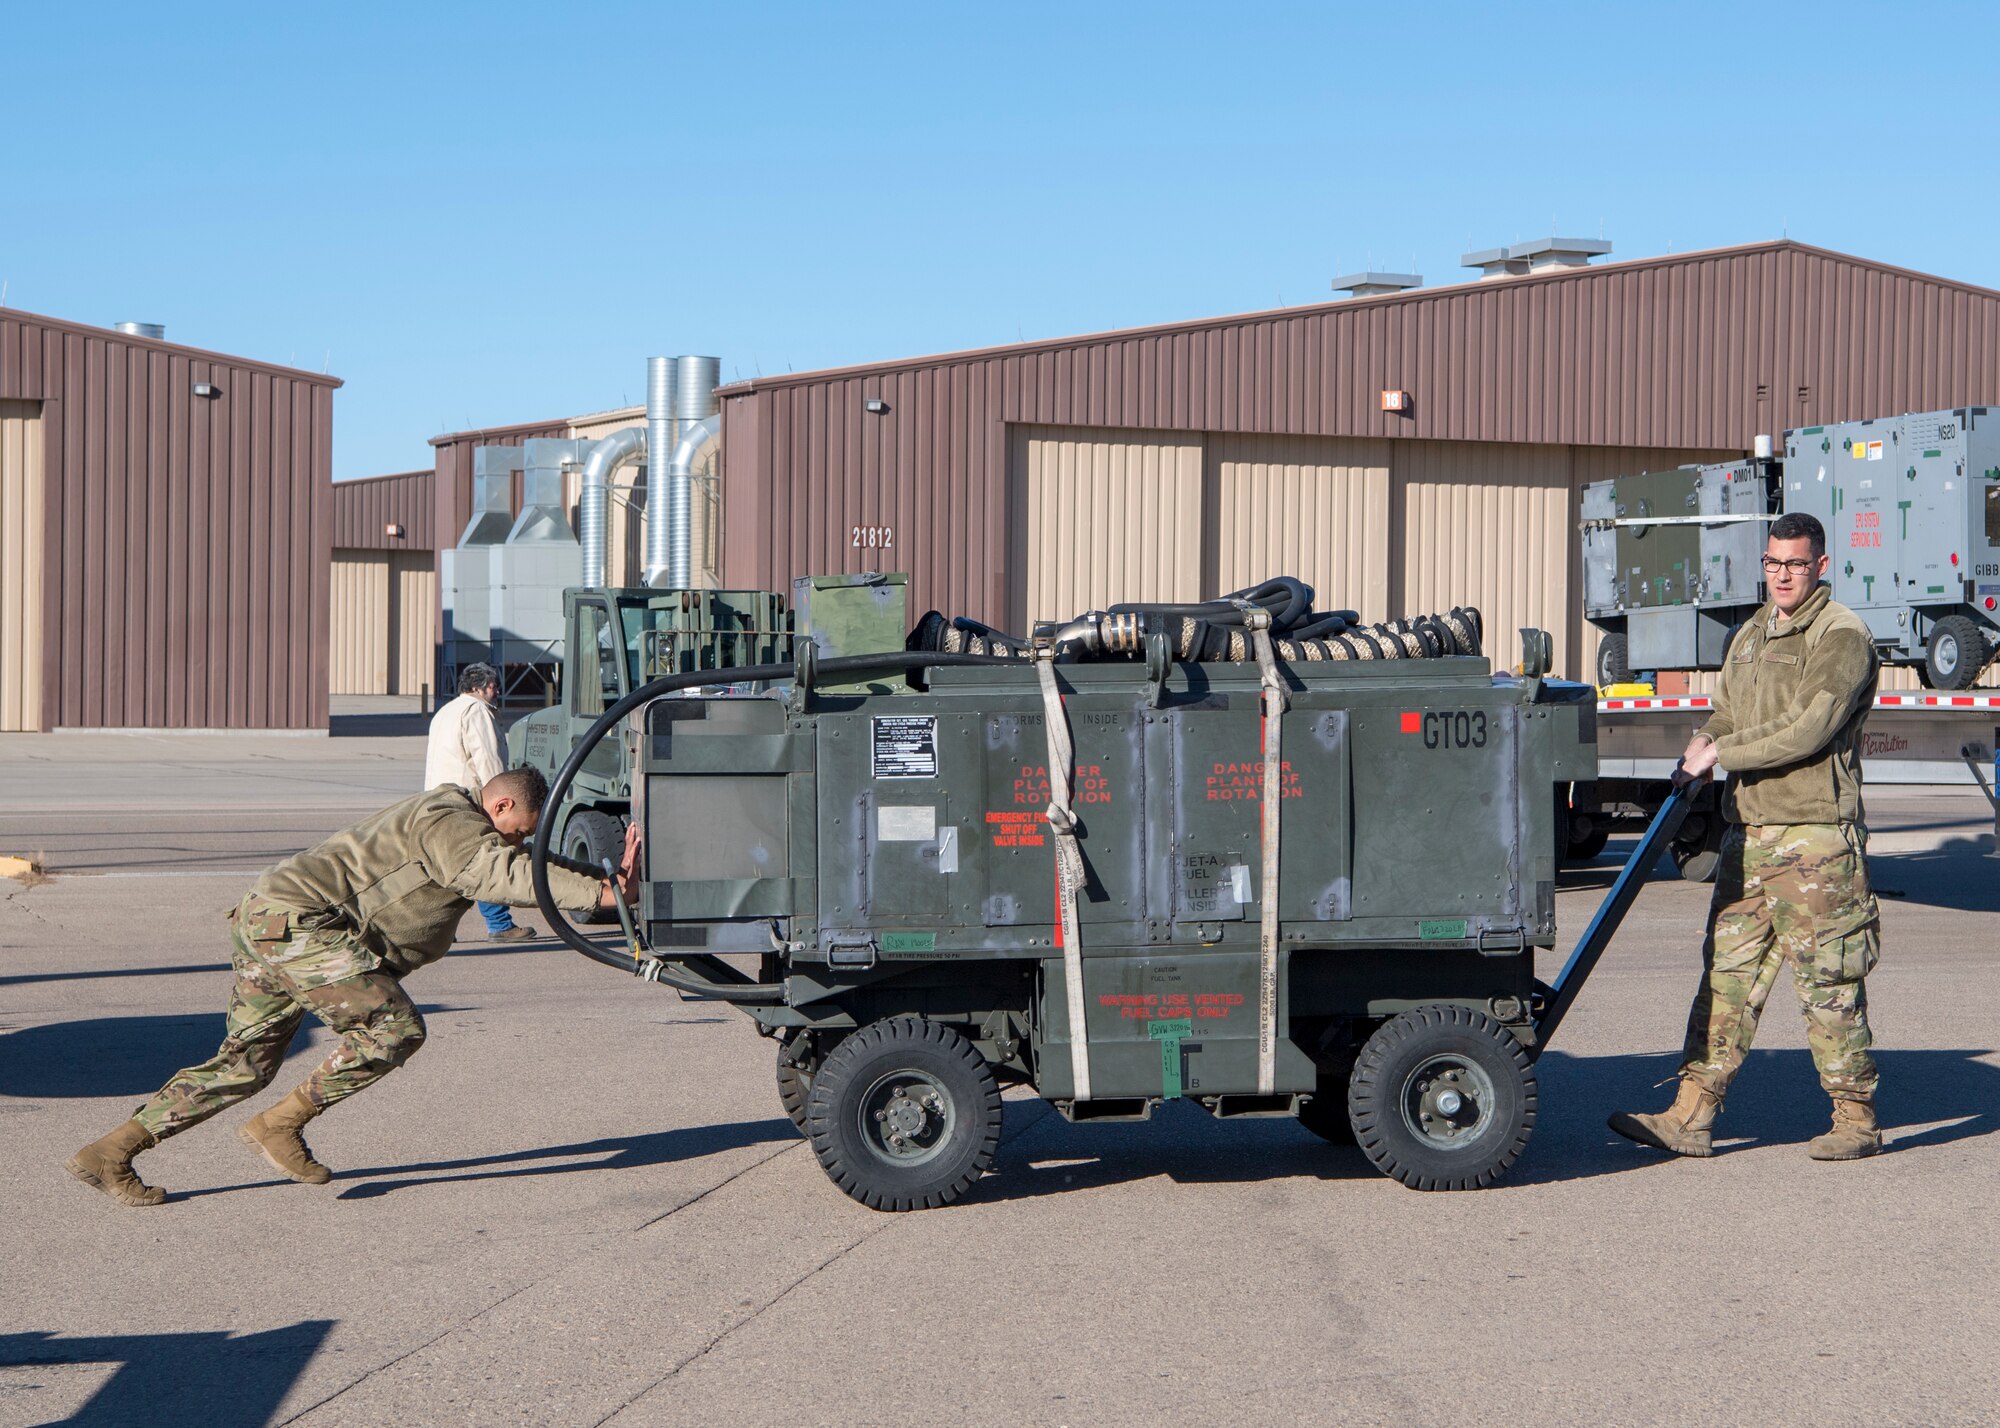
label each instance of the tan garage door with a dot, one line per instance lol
(1313, 507)
(22, 538)
(413, 614)
(1101, 516)
(359, 662)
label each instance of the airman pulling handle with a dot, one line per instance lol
(1596, 937)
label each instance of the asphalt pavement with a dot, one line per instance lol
(582, 1204)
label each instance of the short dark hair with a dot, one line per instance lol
(475, 677)
(1797, 525)
(524, 785)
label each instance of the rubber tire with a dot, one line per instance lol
(1582, 850)
(883, 1048)
(1965, 642)
(1396, 1049)
(1612, 662)
(1326, 1114)
(794, 1089)
(591, 837)
(1699, 862)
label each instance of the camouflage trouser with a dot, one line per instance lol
(379, 1029)
(1796, 894)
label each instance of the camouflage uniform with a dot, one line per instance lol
(1793, 881)
(333, 931)
(1796, 894)
(379, 1027)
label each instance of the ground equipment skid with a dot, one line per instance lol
(1073, 874)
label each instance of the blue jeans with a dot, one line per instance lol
(498, 917)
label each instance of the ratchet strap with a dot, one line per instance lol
(1275, 699)
(1069, 866)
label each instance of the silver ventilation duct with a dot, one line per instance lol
(659, 441)
(543, 518)
(594, 497)
(670, 560)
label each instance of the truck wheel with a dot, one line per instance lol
(1443, 1098)
(1325, 1115)
(1697, 857)
(1612, 667)
(1955, 655)
(904, 1114)
(591, 837)
(1587, 837)
(799, 1053)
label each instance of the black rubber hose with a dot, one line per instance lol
(540, 855)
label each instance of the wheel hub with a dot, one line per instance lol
(1447, 1101)
(906, 1117)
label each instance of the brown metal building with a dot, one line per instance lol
(384, 585)
(165, 529)
(1034, 481)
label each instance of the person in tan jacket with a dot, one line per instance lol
(463, 748)
(333, 931)
(1797, 683)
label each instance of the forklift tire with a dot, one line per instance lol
(1325, 1115)
(1443, 1098)
(591, 837)
(904, 1114)
(1612, 665)
(1956, 653)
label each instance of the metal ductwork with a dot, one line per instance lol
(660, 436)
(543, 518)
(670, 523)
(593, 504)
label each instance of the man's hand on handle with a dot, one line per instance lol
(1697, 762)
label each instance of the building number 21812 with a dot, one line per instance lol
(872, 537)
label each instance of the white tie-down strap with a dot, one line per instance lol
(1069, 867)
(1275, 700)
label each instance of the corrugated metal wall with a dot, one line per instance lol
(1697, 351)
(1315, 507)
(22, 535)
(188, 538)
(1099, 516)
(363, 511)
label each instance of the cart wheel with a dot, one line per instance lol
(795, 1076)
(1325, 1115)
(591, 837)
(1612, 662)
(904, 1115)
(1443, 1098)
(1955, 655)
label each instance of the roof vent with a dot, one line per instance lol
(1375, 284)
(1537, 255)
(154, 330)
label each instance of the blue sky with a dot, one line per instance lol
(478, 215)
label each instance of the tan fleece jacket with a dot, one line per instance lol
(400, 880)
(1787, 717)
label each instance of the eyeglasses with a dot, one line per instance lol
(1797, 567)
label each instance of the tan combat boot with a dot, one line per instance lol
(275, 1136)
(1682, 1128)
(107, 1165)
(1854, 1134)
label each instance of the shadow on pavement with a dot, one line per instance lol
(27, 977)
(167, 1380)
(610, 1153)
(386, 725)
(1956, 874)
(126, 1055)
(1776, 1100)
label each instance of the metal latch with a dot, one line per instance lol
(1502, 941)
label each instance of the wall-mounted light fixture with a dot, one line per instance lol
(875, 406)
(393, 529)
(207, 389)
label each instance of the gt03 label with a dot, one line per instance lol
(1455, 729)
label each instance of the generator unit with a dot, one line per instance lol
(1911, 508)
(1212, 853)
